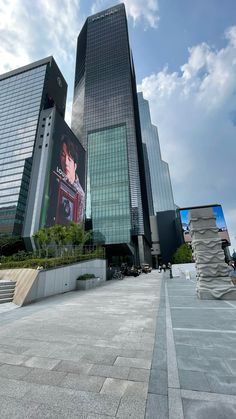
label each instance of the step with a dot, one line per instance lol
(6, 294)
(5, 300)
(8, 286)
(6, 282)
(7, 291)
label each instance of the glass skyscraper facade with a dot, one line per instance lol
(162, 193)
(23, 93)
(105, 118)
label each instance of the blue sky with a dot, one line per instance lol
(185, 59)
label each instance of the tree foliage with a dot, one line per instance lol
(59, 236)
(183, 254)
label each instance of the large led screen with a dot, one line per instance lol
(64, 197)
(220, 223)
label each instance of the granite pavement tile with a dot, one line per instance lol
(99, 359)
(157, 407)
(13, 388)
(125, 388)
(114, 386)
(13, 371)
(83, 382)
(12, 349)
(194, 380)
(131, 408)
(41, 376)
(158, 381)
(94, 416)
(139, 374)
(13, 359)
(74, 367)
(133, 362)
(45, 363)
(222, 384)
(68, 398)
(215, 365)
(10, 408)
(201, 409)
(110, 371)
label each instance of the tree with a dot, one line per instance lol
(59, 235)
(43, 239)
(183, 254)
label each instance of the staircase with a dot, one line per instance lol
(7, 289)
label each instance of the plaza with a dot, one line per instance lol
(143, 347)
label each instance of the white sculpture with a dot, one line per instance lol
(212, 271)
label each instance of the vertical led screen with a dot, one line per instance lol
(64, 197)
(220, 223)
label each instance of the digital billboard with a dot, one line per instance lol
(220, 223)
(64, 196)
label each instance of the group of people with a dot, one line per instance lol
(163, 267)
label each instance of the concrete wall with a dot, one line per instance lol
(33, 284)
(63, 279)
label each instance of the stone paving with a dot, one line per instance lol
(84, 354)
(193, 373)
(141, 348)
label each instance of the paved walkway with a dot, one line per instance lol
(130, 349)
(82, 354)
(193, 374)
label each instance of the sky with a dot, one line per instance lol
(185, 61)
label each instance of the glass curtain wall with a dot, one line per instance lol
(108, 196)
(20, 100)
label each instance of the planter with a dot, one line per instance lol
(86, 284)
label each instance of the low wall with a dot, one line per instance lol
(63, 279)
(35, 284)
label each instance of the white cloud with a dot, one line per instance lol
(30, 31)
(195, 111)
(135, 9)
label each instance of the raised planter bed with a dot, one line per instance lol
(86, 284)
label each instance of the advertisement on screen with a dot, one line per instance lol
(220, 223)
(64, 197)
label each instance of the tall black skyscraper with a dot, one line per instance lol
(23, 94)
(162, 193)
(106, 119)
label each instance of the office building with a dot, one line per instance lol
(105, 117)
(159, 170)
(54, 198)
(24, 93)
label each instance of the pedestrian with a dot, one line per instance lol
(169, 266)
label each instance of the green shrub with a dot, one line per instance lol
(86, 276)
(183, 254)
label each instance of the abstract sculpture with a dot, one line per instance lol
(212, 271)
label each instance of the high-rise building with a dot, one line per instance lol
(105, 117)
(159, 170)
(23, 94)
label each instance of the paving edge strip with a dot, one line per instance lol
(174, 394)
(156, 406)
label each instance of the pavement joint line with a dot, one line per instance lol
(230, 304)
(174, 395)
(210, 397)
(205, 330)
(181, 296)
(202, 308)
